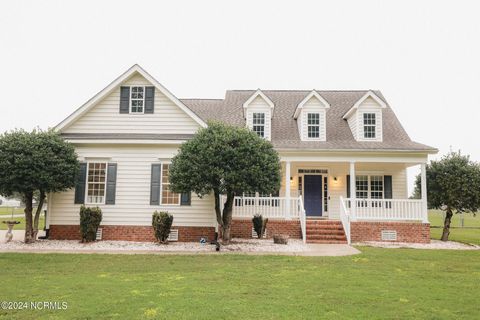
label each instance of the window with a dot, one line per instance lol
(376, 187)
(369, 126)
(137, 99)
(96, 181)
(313, 123)
(361, 183)
(168, 197)
(259, 124)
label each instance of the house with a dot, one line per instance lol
(344, 158)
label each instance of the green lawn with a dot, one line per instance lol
(8, 210)
(469, 234)
(378, 284)
(20, 226)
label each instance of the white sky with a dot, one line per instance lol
(424, 56)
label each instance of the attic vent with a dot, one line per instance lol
(254, 233)
(389, 235)
(99, 234)
(173, 236)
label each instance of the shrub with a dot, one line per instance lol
(259, 225)
(280, 238)
(90, 219)
(161, 223)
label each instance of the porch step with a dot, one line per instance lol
(325, 231)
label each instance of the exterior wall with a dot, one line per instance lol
(406, 231)
(369, 106)
(132, 205)
(105, 117)
(242, 228)
(338, 188)
(131, 233)
(313, 105)
(352, 123)
(260, 105)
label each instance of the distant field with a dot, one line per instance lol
(470, 233)
(8, 210)
(20, 226)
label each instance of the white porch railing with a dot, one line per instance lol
(386, 209)
(269, 207)
(345, 218)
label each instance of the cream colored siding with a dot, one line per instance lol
(370, 106)
(105, 117)
(259, 105)
(313, 105)
(338, 188)
(132, 205)
(352, 123)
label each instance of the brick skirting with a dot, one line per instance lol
(131, 233)
(242, 228)
(406, 231)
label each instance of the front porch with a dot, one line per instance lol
(347, 192)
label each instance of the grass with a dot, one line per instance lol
(20, 226)
(8, 211)
(470, 233)
(379, 284)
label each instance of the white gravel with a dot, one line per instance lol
(434, 244)
(236, 245)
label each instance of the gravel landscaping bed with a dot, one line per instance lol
(434, 244)
(236, 245)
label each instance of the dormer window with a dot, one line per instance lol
(259, 123)
(369, 126)
(313, 122)
(137, 99)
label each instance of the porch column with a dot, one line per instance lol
(353, 193)
(288, 214)
(423, 188)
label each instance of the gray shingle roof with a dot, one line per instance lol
(285, 133)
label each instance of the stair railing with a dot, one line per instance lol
(303, 219)
(345, 218)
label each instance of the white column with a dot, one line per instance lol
(424, 191)
(288, 214)
(353, 193)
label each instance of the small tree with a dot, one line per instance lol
(90, 219)
(453, 185)
(162, 224)
(227, 160)
(35, 162)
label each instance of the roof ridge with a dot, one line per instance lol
(304, 90)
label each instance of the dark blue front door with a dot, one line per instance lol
(312, 195)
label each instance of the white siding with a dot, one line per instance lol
(313, 105)
(132, 206)
(105, 117)
(352, 123)
(260, 105)
(369, 106)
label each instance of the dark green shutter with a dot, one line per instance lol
(348, 186)
(186, 199)
(111, 183)
(155, 184)
(80, 184)
(149, 99)
(124, 99)
(387, 185)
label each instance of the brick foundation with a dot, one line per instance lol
(406, 231)
(131, 233)
(242, 228)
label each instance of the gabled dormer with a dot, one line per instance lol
(258, 113)
(365, 118)
(311, 114)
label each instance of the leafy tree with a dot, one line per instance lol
(37, 162)
(225, 160)
(453, 185)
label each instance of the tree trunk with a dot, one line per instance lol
(29, 238)
(227, 218)
(446, 224)
(218, 212)
(37, 214)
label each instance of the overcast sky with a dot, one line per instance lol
(423, 56)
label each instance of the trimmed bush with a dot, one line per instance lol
(259, 225)
(90, 219)
(280, 239)
(162, 223)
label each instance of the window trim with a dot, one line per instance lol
(313, 125)
(105, 183)
(162, 166)
(130, 100)
(369, 185)
(259, 125)
(369, 125)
